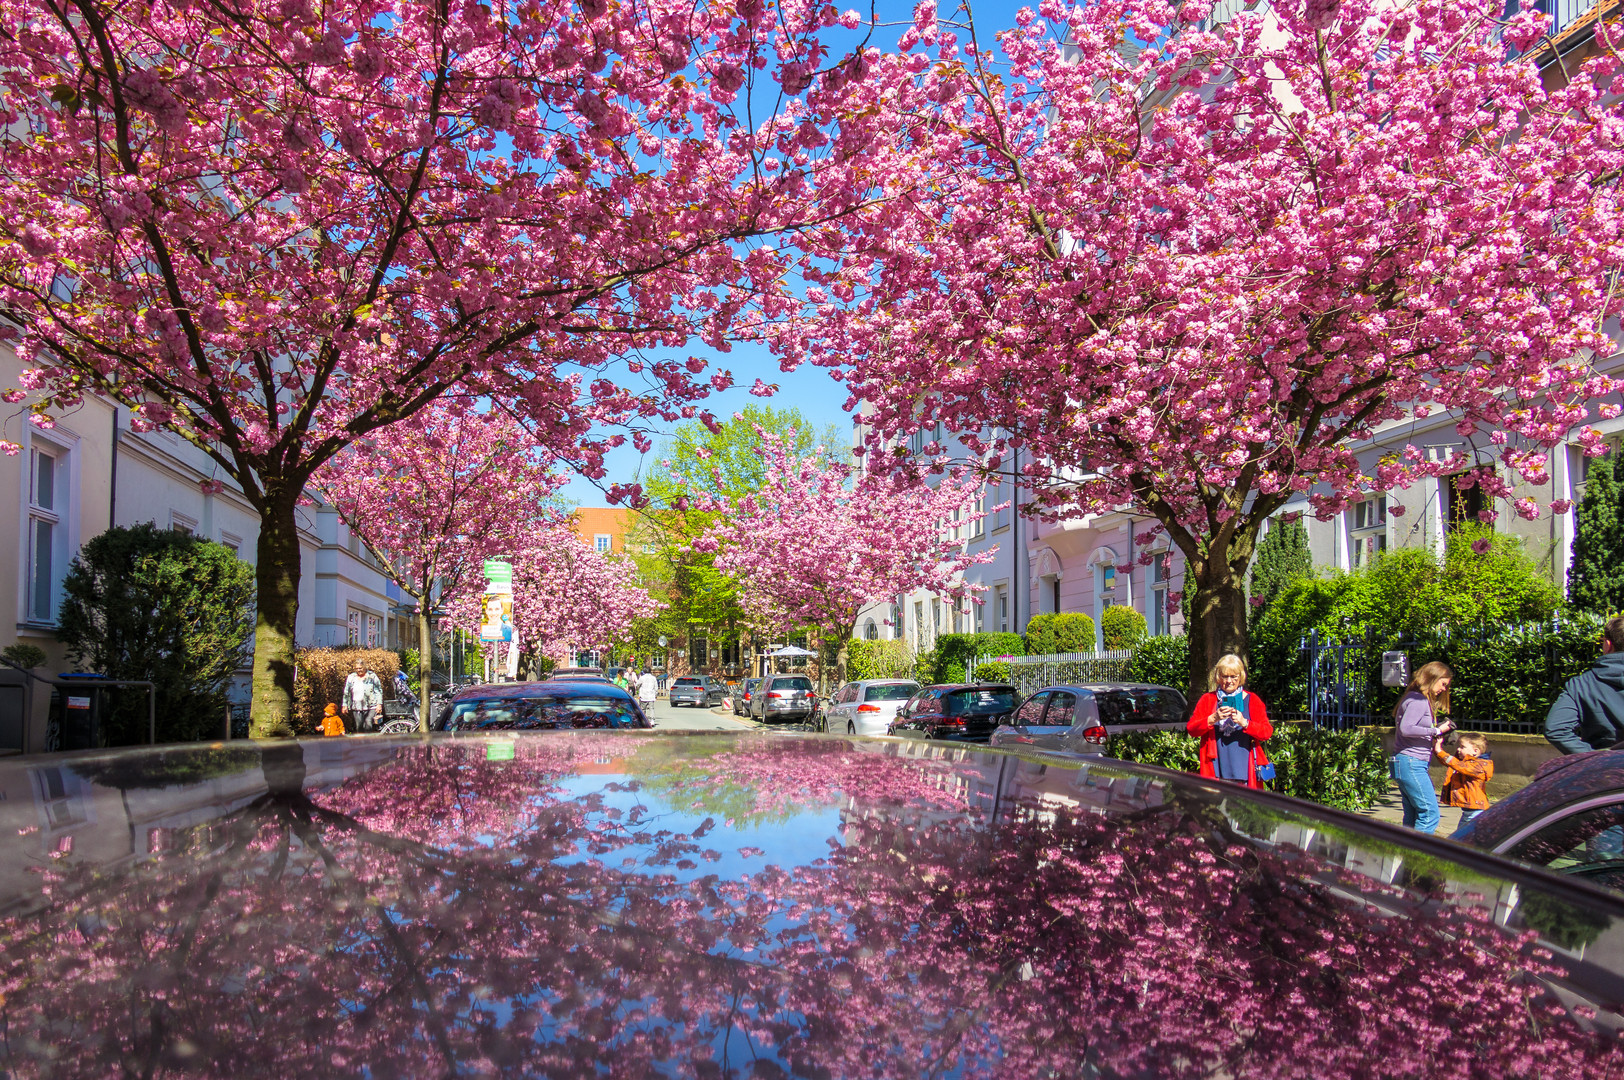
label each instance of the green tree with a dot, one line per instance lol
(1040, 635)
(1596, 579)
(1282, 558)
(1073, 632)
(697, 463)
(149, 603)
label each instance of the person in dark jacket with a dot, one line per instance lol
(1590, 713)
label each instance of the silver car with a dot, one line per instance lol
(699, 690)
(1080, 719)
(783, 697)
(866, 707)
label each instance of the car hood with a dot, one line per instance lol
(718, 904)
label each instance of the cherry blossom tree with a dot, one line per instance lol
(820, 539)
(434, 497)
(1186, 269)
(566, 594)
(276, 228)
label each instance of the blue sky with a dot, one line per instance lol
(811, 390)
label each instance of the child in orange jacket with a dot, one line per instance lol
(1467, 774)
(331, 722)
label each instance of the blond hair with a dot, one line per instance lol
(1425, 682)
(1229, 664)
(1473, 738)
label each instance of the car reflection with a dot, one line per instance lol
(718, 905)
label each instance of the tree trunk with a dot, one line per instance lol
(277, 579)
(842, 657)
(1218, 610)
(425, 662)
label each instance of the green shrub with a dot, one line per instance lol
(956, 651)
(1121, 627)
(1073, 632)
(24, 655)
(157, 605)
(1162, 660)
(890, 659)
(993, 671)
(1040, 636)
(1344, 769)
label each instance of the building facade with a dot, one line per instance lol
(89, 471)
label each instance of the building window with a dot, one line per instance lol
(935, 618)
(232, 542)
(1161, 569)
(978, 511)
(1462, 505)
(697, 653)
(979, 617)
(186, 526)
(374, 632)
(871, 632)
(46, 539)
(355, 627)
(1000, 516)
(919, 624)
(601, 542)
(1368, 536)
(1000, 600)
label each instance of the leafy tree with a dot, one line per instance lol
(1040, 635)
(1282, 558)
(1121, 627)
(150, 603)
(1596, 579)
(699, 466)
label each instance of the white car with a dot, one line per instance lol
(866, 707)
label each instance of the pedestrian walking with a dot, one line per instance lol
(648, 688)
(1589, 713)
(353, 697)
(1469, 772)
(1425, 699)
(1232, 725)
(370, 711)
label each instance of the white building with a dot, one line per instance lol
(89, 471)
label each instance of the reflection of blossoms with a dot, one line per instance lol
(454, 911)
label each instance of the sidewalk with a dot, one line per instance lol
(1390, 808)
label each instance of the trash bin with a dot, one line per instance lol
(76, 714)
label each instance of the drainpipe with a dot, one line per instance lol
(112, 477)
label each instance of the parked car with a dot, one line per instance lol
(701, 691)
(544, 903)
(782, 698)
(1079, 719)
(1569, 818)
(867, 707)
(961, 712)
(550, 704)
(741, 697)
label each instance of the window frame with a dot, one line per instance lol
(62, 516)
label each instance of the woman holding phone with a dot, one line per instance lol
(1416, 724)
(1232, 725)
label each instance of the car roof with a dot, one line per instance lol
(1559, 782)
(1109, 686)
(1093, 859)
(544, 688)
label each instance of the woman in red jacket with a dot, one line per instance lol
(1232, 725)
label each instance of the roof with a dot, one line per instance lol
(623, 902)
(577, 687)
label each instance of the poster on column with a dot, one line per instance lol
(496, 624)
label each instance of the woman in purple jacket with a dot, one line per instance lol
(1416, 725)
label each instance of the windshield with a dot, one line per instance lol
(997, 699)
(686, 682)
(891, 692)
(798, 682)
(1141, 706)
(542, 713)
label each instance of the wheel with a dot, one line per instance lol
(399, 726)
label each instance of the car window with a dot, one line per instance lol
(1140, 705)
(1031, 714)
(1588, 844)
(848, 694)
(794, 682)
(686, 682)
(979, 700)
(1062, 709)
(542, 712)
(890, 691)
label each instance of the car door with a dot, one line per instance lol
(840, 709)
(1017, 728)
(1051, 729)
(904, 720)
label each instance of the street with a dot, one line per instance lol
(668, 717)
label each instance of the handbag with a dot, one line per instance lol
(1265, 772)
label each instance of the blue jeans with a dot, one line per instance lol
(1415, 788)
(1466, 818)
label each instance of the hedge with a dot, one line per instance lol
(1162, 660)
(993, 671)
(1344, 769)
(953, 653)
(319, 676)
(891, 659)
(1121, 627)
(1073, 632)
(1040, 640)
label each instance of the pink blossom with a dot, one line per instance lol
(1561, 506)
(1480, 546)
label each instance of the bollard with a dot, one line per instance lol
(228, 724)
